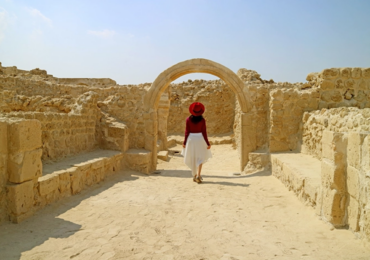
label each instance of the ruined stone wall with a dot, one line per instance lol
(68, 124)
(331, 88)
(217, 97)
(287, 104)
(258, 90)
(342, 87)
(338, 120)
(62, 134)
(127, 106)
(24, 91)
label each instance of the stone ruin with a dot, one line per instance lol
(59, 136)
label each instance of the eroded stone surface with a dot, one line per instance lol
(46, 120)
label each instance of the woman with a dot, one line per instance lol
(196, 145)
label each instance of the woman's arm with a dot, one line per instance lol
(187, 132)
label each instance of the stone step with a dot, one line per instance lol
(163, 155)
(138, 160)
(301, 173)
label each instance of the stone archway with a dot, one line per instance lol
(151, 101)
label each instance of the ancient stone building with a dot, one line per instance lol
(59, 136)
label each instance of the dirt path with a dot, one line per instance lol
(168, 216)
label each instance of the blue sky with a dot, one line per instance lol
(134, 41)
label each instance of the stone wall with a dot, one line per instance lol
(217, 97)
(342, 87)
(126, 106)
(338, 120)
(258, 90)
(325, 118)
(63, 134)
(287, 105)
(330, 88)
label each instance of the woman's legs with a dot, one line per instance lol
(200, 169)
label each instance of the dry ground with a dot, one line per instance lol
(168, 216)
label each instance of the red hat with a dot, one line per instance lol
(196, 109)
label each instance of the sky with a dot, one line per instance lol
(134, 41)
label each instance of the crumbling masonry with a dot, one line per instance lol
(59, 136)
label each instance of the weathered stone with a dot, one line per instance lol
(64, 182)
(24, 135)
(163, 155)
(353, 184)
(333, 176)
(25, 166)
(3, 137)
(333, 207)
(355, 141)
(77, 179)
(139, 160)
(327, 85)
(48, 184)
(20, 200)
(353, 214)
(330, 73)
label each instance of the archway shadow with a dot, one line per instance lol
(46, 223)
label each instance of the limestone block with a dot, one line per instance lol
(247, 119)
(48, 184)
(311, 188)
(24, 135)
(3, 170)
(366, 72)
(345, 72)
(98, 163)
(278, 146)
(25, 166)
(333, 175)
(76, 178)
(139, 160)
(353, 214)
(64, 182)
(150, 142)
(365, 155)
(84, 166)
(334, 146)
(88, 177)
(356, 73)
(3, 137)
(318, 208)
(330, 73)
(163, 155)
(293, 178)
(353, 185)
(100, 174)
(333, 207)
(327, 85)
(355, 141)
(20, 199)
(258, 159)
(117, 131)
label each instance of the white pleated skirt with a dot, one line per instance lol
(196, 152)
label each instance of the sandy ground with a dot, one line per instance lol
(168, 216)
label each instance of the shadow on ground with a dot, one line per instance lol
(18, 238)
(206, 177)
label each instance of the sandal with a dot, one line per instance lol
(200, 179)
(195, 178)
